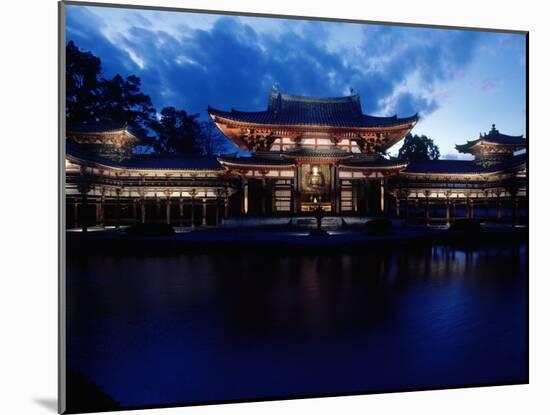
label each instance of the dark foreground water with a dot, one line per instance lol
(186, 328)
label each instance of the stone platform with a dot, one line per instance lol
(300, 222)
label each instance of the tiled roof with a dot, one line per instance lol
(147, 161)
(298, 110)
(463, 166)
(372, 162)
(97, 128)
(444, 166)
(192, 162)
(513, 163)
(313, 152)
(176, 162)
(79, 151)
(495, 137)
(259, 159)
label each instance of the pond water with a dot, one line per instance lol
(176, 329)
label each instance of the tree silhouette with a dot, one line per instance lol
(123, 102)
(211, 141)
(84, 86)
(93, 99)
(177, 132)
(418, 148)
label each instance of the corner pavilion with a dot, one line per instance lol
(304, 152)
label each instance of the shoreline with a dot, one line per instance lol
(223, 240)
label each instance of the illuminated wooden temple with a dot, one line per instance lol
(494, 180)
(302, 152)
(492, 148)
(123, 189)
(309, 151)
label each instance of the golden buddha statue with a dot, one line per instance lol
(315, 180)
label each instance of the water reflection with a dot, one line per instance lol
(184, 328)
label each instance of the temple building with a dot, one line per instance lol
(114, 142)
(302, 152)
(113, 189)
(492, 148)
(310, 151)
(495, 179)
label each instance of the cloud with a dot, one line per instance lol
(409, 103)
(414, 65)
(85, 27)
(232, 62)
(140, 18)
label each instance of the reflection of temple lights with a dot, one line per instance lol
(97, 228)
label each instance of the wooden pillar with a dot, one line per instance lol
(97, 212)
(244, 202)
(336, 190)
(354, 195)
(416, 208)
(515, 201)
(192, 210)
(263, 197)
(157, 207)
(295, 200)
(142, 208)
(332, 192)
(117, 224)
(472, 210)
(382, 196)
(102, 210)
(367, 194)
(134, 211)
(448, 211)
(75, 213)
(203, 221)
(181, 210)
(397, 211)
(486, 208)
(499, 207)
(85, 211)
(83, 189)
(453, 210)
(294, 193)
(217, 211)
(427, 209)
(467, 208)
(226, 207)
(296, 190)
(168, 205)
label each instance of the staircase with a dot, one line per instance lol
(330, 223)
(327, 223)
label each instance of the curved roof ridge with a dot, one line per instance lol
(495, 137)
(393, 117)
(488, 137)
(321, 99)
(233, 111)
(297, 110)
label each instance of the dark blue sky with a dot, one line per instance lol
(459, 82)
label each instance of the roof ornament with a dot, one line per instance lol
(275, 87)
(351, 91)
